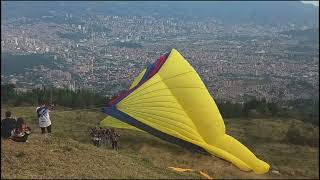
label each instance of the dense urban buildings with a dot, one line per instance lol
(105, 53)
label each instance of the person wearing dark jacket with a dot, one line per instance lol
(7, 125)
(114, 138)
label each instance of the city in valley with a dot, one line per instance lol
(67, 68)
(105, 52)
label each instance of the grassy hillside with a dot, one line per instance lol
(69, 153)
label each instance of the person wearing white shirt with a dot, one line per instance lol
(44, 118)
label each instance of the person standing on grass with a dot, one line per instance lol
(103, 137)
(44, 119)
(92, 135)
(95, 137)
(107, 136)
(114, 138)
(7, 125)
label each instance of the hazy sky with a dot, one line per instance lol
(316, 3)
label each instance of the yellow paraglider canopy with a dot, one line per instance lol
(170, 101)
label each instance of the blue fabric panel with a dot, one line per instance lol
(146, 75)
(114, 112)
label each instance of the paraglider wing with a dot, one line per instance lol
(171, 102)
(138, 79)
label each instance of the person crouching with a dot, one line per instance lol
(21, 132)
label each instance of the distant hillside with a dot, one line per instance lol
(20, 63)
(259, 12)
(311, 35)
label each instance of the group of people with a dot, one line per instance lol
(18, 130)
(105, 136)
(14, 129)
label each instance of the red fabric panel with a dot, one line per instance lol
(162, 60)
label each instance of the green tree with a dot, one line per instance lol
(273, 108)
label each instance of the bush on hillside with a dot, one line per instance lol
(295, 135)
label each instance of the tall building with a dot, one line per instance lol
(92, 59)
(255, 67)
(16, 41)
(92, 39)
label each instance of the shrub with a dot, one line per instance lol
(294, 136)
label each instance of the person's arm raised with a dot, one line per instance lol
(51, 108)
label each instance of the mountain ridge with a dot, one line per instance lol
(258, 12)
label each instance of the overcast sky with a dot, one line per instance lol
(316, 3)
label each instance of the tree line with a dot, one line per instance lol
(304, 109)
(57, 96)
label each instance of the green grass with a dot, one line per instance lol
(69, 154)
